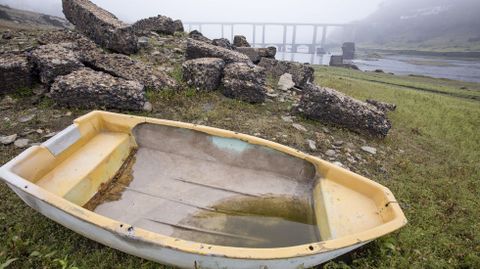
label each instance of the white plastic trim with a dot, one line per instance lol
(63, 140)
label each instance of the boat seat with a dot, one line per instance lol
(80, 175)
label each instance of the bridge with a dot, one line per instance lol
(289, 43)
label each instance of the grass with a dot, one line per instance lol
(429, 161)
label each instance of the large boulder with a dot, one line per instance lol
(100, 25)
(302, 73)
(198, 49)
(120, 65)
(245, 82)
(86, 88)
(256, 54)
(178, 26)
(54, 60)
(76, 41)
(199, 36)
(159, 24)
(15, 72)
(203, 73)
(331, 106)
(240, 41)
(223, 42)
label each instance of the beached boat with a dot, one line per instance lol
(199, 197)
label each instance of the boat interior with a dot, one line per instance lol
(203, 184)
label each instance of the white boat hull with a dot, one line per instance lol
(166, 255)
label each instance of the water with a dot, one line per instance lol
(212, 190)
(258, 222)
(456, 69)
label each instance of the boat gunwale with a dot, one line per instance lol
(198, 248)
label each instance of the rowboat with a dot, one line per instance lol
(199, 197)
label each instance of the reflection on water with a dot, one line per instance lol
(457, 69)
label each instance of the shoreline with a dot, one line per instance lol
(447, 54)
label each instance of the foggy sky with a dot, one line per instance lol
(320, 11)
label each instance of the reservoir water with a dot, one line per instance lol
(450, 68)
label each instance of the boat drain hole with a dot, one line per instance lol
(310, 248)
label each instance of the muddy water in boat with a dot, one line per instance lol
(194, 186)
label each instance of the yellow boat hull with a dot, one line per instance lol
(61, 177)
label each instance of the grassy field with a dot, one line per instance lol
(430, 161)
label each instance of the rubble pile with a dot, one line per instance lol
(90, 68)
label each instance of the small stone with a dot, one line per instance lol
(350, 145)
(7, 102)
(143, 42)
(370, 150)
(330, 153)
(148, 107)
(68, 114)
(311, 145)
(351, 160)
(287, 118)
(325, 130)
(27, 132)
(39, 131)
(299, 127)
(52, 134)
(26, 118)
(271, 95)
(39, 90)
(338, 143)
(285, 82)
(339, 164)
(6, 140)
(21, 143)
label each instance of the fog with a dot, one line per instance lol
(320, 11)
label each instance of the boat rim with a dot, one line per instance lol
(128, 231)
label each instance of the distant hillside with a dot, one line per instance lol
(430, 25)
(21, 19)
